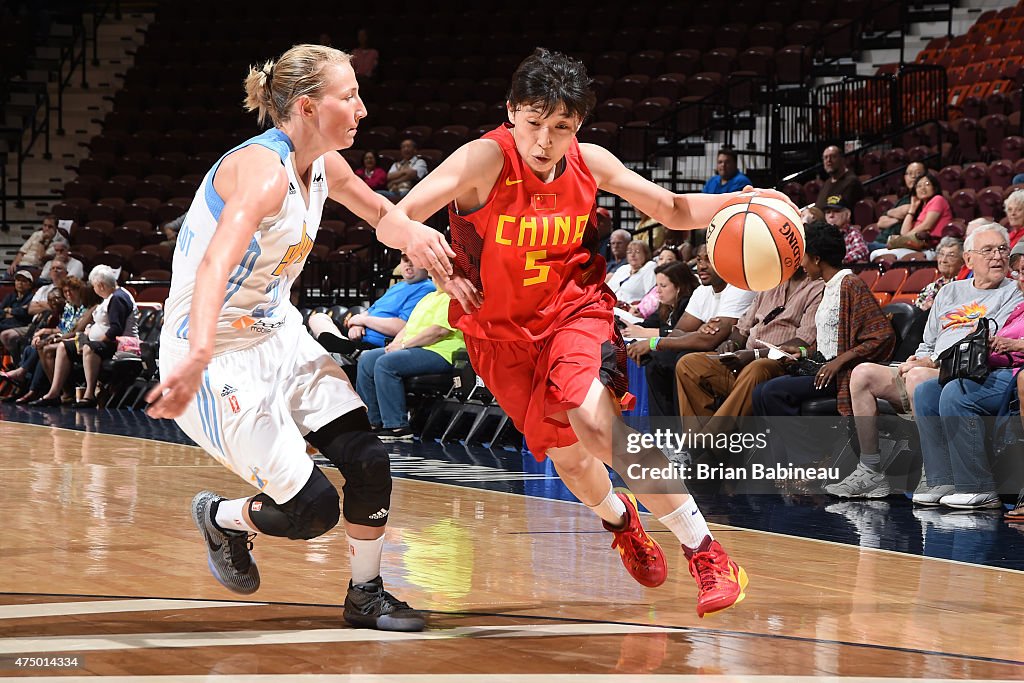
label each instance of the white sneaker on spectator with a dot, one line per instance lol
(930, 495)
(972, 501)
(863, 482)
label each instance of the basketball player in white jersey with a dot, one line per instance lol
(241, 376)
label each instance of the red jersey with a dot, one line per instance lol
(531, 249)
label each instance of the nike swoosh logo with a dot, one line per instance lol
(509, 181)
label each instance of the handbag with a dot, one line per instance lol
(967, 358)
(807, 367)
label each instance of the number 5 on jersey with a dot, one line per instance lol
(532, 257)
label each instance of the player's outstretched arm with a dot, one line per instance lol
(466, 177)
(675, 211)
(253, 184)
(347, 188)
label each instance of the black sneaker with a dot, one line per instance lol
(227, 552)
(368, 605)
(387, 434)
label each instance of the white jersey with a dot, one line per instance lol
(256, 301)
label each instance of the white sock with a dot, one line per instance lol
(611, 509)
(365, 558)
(688, 524)
(229, 516)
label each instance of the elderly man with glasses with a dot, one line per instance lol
(950, 418)
(954, 314)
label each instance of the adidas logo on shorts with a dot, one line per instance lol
(380, 514)
(228, 390)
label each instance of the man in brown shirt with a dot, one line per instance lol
(841, 184)
(777, 316)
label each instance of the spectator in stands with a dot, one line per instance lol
(405, 172)
(14, 313)
(634, 279)
(364, 57)
(781, 315)
(1014, 207)
(838, 215)
(1017, 179)
(425, 346)
(618, 243)
(957, 307)
(841, 182)
(72, 266)
(372, 174)
(170, 230)
(811, 214)
(950, 258)
(713, 299)
(889, 223)
(387, 316)
(727, 176)
(850, 330)
(115, 316)
(82, 300)
(649, 230)
(38, 247)
(652, 300)
(675, 283)
(927, 218)
(28, 356)
(951, 419)
(79, 299)
(58, 273)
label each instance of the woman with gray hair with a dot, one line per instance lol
(116, 316)
(950, 257)
(636, 277)
(1014, 208)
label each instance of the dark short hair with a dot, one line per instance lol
(826, 242)
(680, 275)
(550, 80)
(731, 153)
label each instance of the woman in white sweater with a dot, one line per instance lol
(634, 279)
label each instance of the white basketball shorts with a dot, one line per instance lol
(255, 405)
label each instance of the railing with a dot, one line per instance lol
(99, 13)
(71, 57)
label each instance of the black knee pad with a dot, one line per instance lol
(311, 512)
(363, 461)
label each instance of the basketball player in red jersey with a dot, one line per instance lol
(535, 312)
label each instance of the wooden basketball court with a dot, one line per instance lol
(101, 565)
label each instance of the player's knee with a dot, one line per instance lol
(311, 512)
(571, 463)
(364, 462)
(367, 472)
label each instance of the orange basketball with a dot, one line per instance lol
(756, 242)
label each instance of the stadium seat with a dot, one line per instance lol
(912, 286)
(975, 176)
(964, 204)
(888, 285)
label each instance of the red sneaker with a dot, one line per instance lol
(720, 581)
(641, 555)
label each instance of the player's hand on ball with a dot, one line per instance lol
(463, 291)
(172, 396)
(774, 194)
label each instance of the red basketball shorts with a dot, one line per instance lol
(537, 381)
